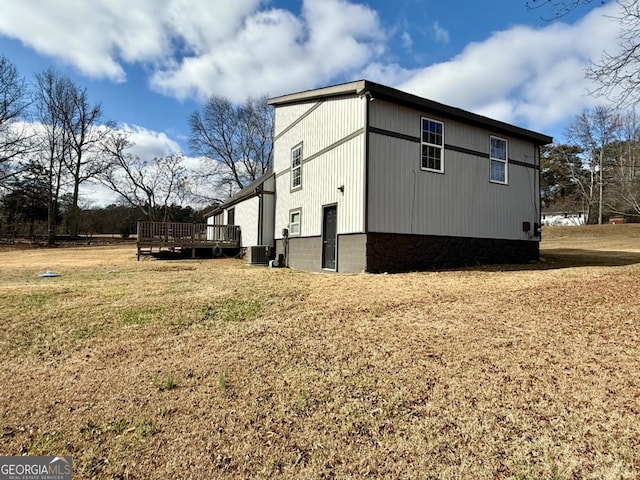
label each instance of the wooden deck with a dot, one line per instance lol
(174, 235)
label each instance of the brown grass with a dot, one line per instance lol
(214, 369)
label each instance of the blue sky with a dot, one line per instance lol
(153, 62)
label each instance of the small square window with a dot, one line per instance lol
(294, 222)
(499, 149)
(431, 158)
(498, 171)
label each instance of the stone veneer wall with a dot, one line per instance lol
(388, 252)
(304, 253)
(352, 253)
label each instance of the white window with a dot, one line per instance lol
(498, 160)
(432, 146)
(296, 167)
(294, 222)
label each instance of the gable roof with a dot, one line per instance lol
(249, 191)
(392, 95)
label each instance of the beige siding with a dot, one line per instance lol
(460, 202)
(331, 123)
(286, 116)
(210, 221)
(396, 118)
(406, 121)
(268, 211)
(246, 216)
(268, 219)
(214, 220)
(323, 176)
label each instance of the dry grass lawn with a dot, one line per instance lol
(214, 369)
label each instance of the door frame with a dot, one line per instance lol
(322, 237)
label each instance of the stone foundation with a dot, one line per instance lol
(352, 253)
(305, 253)
(387, 252)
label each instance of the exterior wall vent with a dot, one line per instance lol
(259, 255)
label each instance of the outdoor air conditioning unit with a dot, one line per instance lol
(259, 255)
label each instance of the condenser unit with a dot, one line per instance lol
(259, 255)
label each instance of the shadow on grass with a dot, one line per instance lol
(201, 253)
(557, 258)
(550, 259)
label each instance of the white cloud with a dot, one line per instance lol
(194, 48)
(95, 195)
(407, 41)
(148, 143)
(92, 36)
(523, 75)
(276, 52)
(97, 37)
(441, 34)
(386, 73)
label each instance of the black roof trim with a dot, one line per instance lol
(392, 95)
(249, 191)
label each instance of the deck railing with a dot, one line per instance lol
(188, 234)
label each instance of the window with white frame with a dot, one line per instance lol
(432, 145)
(498, 160)
(294, 222)
(296, 167)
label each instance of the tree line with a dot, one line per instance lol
(54, 140)
(597, 171)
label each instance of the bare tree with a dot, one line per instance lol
(562, 178)
(205, 186)
(72, 134)
(624, 177)
(593, 130)
(238, 138)
(152, 185)
(53, 144)
(558, 8)
(618, 74)
(14, 138)
(84, 135)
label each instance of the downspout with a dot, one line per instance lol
(537, 227)
(260, 202)
(368, 99)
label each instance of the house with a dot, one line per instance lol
(372, 179)
(252, 209)
(565, 219)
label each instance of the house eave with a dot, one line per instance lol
(252, 190)
(392, 95)
(350, 88)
